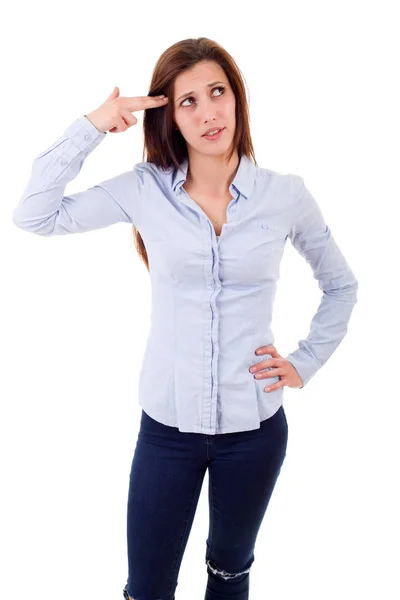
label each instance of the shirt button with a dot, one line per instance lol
(263, 225)
(229, 228)
(232, 209)
(64, 162)
(87, 137)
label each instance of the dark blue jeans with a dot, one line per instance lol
(165, 482)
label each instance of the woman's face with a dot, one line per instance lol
(199, 106)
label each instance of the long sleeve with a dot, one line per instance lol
(45, 210)
(313, 239)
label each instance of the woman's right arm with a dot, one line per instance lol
(45, 210)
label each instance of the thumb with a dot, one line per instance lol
(114, 93)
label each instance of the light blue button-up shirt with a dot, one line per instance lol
(212, 298)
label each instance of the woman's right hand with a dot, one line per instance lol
(115, 114)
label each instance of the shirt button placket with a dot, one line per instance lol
(214, 332)
(207, 407)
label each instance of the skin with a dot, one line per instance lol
(209, 172)
(283, 369)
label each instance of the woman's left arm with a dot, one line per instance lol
(313, 239)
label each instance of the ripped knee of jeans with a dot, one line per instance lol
(225, 574)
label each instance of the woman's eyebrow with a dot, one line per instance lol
(192, 92)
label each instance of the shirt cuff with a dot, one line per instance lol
(305, 365)
(83, 134)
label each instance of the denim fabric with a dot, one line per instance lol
(212, 298)
(165, 482)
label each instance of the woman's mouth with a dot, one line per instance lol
(216, 136)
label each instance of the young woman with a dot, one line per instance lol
(211, 227)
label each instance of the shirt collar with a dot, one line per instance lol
(243, 181)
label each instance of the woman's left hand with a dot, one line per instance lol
(286, 372)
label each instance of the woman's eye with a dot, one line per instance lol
(190, 97)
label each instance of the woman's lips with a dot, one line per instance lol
(214, 137)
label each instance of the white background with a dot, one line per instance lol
(75, 309)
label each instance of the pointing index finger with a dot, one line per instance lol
(143, 102)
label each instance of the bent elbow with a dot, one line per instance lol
(31, 225)
(345, 293)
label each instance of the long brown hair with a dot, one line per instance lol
(164, 145)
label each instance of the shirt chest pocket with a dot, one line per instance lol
(251, 256)
(268, 228)
(266, 236)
